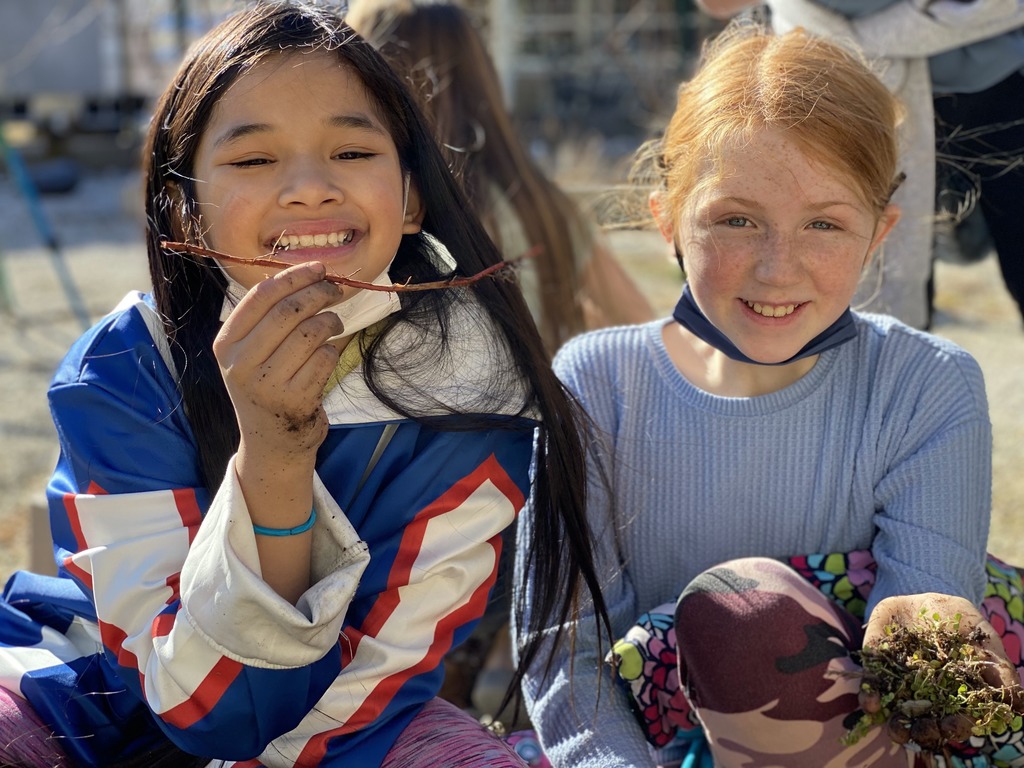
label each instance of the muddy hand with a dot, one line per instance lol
(275, 361)
(906, 610)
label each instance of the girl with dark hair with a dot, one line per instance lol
(284, 475)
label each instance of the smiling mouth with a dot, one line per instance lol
(771, 310)
(321, 240)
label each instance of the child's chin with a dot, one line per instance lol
(770, 357)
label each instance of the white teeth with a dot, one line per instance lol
(768, 311)
(295, 242)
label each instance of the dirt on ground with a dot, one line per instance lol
(100, 257)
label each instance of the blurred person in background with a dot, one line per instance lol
(574, 282)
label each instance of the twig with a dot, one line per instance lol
(269, 261)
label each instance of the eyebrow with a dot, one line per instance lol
(732, 199)
(754, 204)
(358, 121)
(240, 131)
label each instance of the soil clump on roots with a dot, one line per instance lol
(926, 683)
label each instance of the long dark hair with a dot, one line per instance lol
(438, 50)
(189, 292)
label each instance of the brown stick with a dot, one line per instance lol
(269, 261)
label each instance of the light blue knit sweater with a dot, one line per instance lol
(885, 443)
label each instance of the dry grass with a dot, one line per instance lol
(975, 311)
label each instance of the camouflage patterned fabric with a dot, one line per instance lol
(811, 622)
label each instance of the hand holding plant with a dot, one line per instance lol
(935, 673)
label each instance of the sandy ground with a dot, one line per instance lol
(101, 251)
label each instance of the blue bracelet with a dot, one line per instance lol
(262, 531)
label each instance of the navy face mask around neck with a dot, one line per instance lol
(688, 315)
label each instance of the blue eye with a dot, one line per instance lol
(823, 225)
(737, 221)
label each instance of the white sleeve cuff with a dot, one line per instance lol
(224, 596)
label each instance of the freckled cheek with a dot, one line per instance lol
(714, 277)
(719, 257)
(702, 249)
(835, 274)
(837, 260)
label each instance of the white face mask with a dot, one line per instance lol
(367, 307)
(358, 312)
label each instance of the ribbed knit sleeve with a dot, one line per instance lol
(933, 495)
(884, 445)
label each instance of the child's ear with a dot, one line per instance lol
(414, 210)
(890, 216)
(177, 198)
(657, 203)
(173, 192)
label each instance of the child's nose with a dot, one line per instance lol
(311, 183)
(778, 260)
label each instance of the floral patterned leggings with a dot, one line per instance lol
(764, 647)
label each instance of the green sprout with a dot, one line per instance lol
(924, 683)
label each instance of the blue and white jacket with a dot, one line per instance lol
(159, 624)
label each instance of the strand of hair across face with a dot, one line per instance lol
(269, 261)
